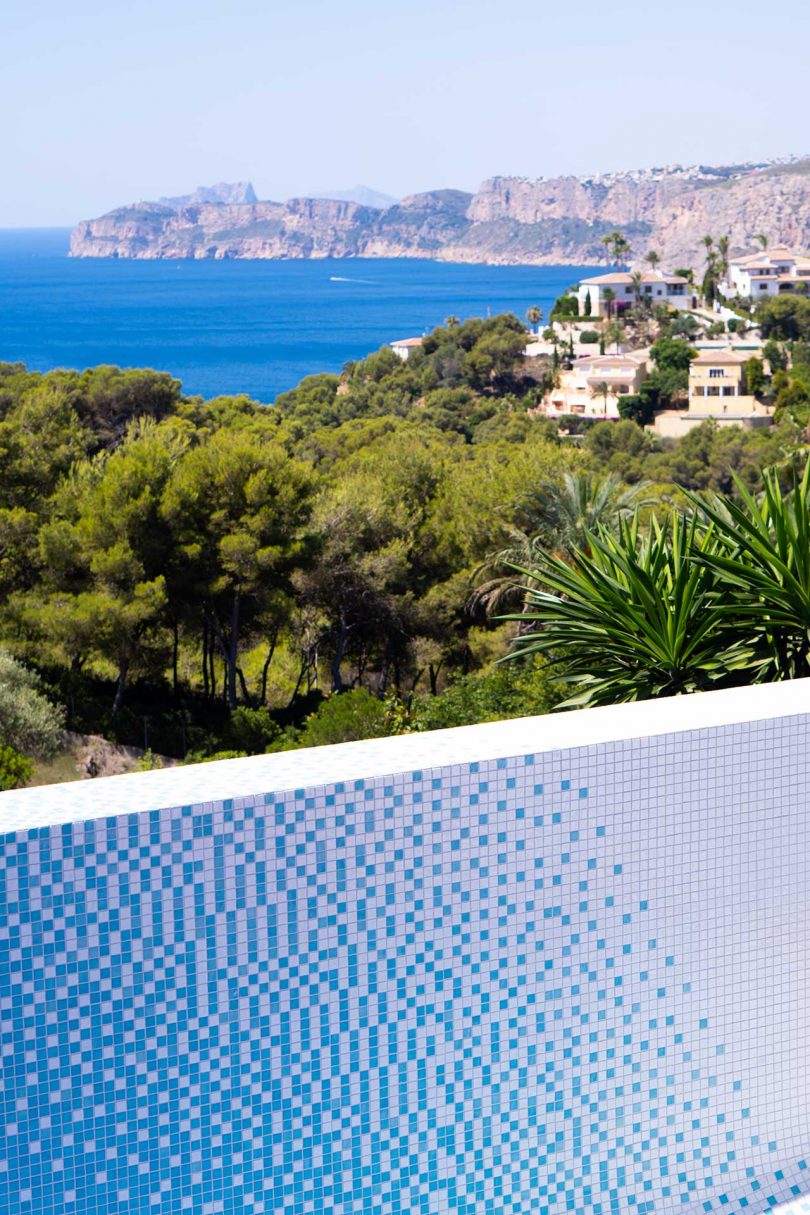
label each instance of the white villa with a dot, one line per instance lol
(404, 346)
(769, 272)
(654, 287)
(580, 390)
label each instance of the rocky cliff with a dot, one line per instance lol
(509, 220)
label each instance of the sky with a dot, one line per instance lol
(104, 104)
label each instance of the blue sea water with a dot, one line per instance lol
(237, 326)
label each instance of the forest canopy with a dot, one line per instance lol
(198, 576)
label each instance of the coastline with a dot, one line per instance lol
(450, 258)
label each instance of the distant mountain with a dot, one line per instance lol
(509, 220)
(223, 192)
(364, 196)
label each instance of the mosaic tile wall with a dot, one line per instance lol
(572, 982)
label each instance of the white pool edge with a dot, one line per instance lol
(80, 801)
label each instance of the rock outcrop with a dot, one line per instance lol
(508, 221)
(222, 192)
(363, 195)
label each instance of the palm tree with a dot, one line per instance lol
(621, 248)
(614, 333)
(501, 587)
(653, 259)
(712, 273)
(763, 240)
(607, 241)
(637, 279)
(615, 242)
(564, 512)
(609, 295)
(553, 515)
(451, 322)
(602, 390)
(534, 316)
(722, 259)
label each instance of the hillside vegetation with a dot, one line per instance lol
(195, 577)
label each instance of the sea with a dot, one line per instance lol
(225, 327)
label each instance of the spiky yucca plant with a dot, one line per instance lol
(761, 557)
(636, 615)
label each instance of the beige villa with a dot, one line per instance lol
(593, 386)
(717, 390)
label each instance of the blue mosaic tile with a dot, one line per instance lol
(561, 982)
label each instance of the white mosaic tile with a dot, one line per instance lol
(557, 965)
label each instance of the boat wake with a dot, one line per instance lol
(337, 278)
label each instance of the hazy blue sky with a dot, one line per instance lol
(103, 104)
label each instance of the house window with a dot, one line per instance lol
(715, 373)
(728, 392)
(763, 286)
(713, 391)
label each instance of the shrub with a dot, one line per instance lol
(636, 407)
(755, 376)
(202, 757)
(149, 762)
(663, 386)
(775, 355)
(346, 717)
(252, 730)
(15, 769)
(784, 317)
(684, 325)
(565, 306)
(589, 336)
(29, 722)
(575, 424)
(506, 691)
(672, 354)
